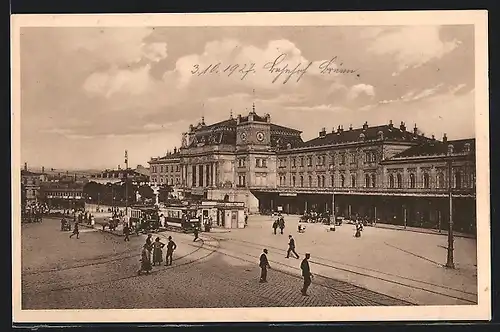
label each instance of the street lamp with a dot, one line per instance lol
(449, 260)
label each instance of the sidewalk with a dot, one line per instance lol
(405, 265)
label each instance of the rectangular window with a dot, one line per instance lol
(309, 161)
(293, 162)
(301, 161)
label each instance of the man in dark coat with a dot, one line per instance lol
(264, 265)
(126, 232)
(275, 226)
(171, 246)
(306, 273)
(76, 231)
(195, 232)
(282, 224)
(291, 248)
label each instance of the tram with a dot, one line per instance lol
(144, 219)
(181, 217)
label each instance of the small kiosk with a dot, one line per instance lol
(223, 214)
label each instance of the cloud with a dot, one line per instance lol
(317, 108)
(135, 81)
(358, 89)
(412, 46)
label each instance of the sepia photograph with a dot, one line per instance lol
(250, 167)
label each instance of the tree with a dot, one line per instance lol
(163, 193)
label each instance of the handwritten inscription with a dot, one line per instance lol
(279, 68)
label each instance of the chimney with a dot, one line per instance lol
(43, 169)
(433, 138)
(333, 130)
(402, 126)
(268, 118)
(26, 166)
(415, 130)
(365, 125)
(445, 139)
(338, 130)
(191, 128)
(450, 148)
(350, 127)
(322, 133)
(175, 150)
(238, 119)
(390, 124)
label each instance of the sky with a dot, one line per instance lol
(88, 94)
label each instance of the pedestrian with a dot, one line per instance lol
(282, 224)
(264, 265)
(306, 273)
(275, 226)
(75, 231)
(171, 246)
(157, 252)
(291, 247)
(126, 232)
(63, 224)
(359, 229)
(195, 232)
(145, 260)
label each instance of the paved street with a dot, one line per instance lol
(99, 271)
(403, 264)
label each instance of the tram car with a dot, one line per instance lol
(182, 218)
(145, 219)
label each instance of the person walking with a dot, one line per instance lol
(275, 226)
(145, 260)
(291, 247)
(195, 232)
(126, 232)
(157, 253)
(171, 246)
(264, 265)
(282, 224)
(149, 244)
(76, 231)
(306, 273)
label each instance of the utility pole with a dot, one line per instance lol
(449, 260)
(126, 192)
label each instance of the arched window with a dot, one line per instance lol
(319, 181)
(332, 180)
(391, 181)
(440, 180)
(342, 180)
(310, 181)
(301, 181)
(353, 180)
(374, 180)
(412, 180)
(293, 181)
(426, 180)
(367, 180)
(323, 180)
(399, 180)
(458, 180)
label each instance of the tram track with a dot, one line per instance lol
(259, 246)
(155, 271)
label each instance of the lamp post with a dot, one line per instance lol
(449, 260)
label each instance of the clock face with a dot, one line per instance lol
(260, 136)
(243, 136)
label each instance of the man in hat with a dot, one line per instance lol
(171, 246)
(306, 273)
(264, 265)
(291, 247)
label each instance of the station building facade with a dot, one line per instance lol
(387, 173)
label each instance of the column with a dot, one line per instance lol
(213, 174)
(333, 208)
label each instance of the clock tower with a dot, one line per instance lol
(253, 132)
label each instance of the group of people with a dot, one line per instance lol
(152, 253)
(279, 223)
(304, 266)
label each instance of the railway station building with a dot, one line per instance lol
(387, 173)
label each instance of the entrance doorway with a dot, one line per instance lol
(234, 219)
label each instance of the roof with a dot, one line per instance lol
(62, 186)
(224, 132)
(30, 173)
(366, 133)
(437, 148)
